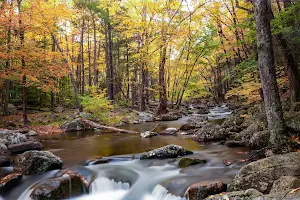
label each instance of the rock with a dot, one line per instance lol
(101, 161)
(234, 143)
(233, 123)
(170, 116)
(194, 122)
(186, 162)
(210, 104)
(169, 131)
(259, 140)
(64, 187)
(3, 147)
(210, 132)
(79, 124)
(25, 146)
(261, 174)
(293, 123)
(254, 127)
(199, 191)
(58, 109)
(9, 181)
(249, 194)
(145, 117)
(148, 134)
(85, 115)
(4, 161)
(31, 133)
(169, 151)
(285, 195)
(285, 183)
(36, 162)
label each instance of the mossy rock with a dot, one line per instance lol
(186, 162)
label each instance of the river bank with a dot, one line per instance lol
(223, 145)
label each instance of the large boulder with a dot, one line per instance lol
(170, 116)
(36, 162)
(194, 122)
(12, 109)
(25, 146)
(199, 191)
(293, 123)
(64, 187)
(232, 121)
(210, 132)
(259, 140)
(169, 151)
(254, 127)
(261, 174)
(285, 183)
(9, 181)
(79, 124)
(145, 117)
(249, 194)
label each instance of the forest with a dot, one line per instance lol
(221, 72)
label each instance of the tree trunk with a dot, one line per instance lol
(24, 81)
(89, 56)
(96, 72)
(127, 71)
(82, 57)
(268, 74)
(162, 109)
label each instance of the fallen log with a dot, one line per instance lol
(82, 124)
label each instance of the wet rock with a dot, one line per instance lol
(210, 132)
(261, 174)
(9, 181)
(4, 161)
(169, 151)
(259, 140)
(235, 143)
(36, 162)
(169, 131)
(79, 124)
(285, 183)
(64, 187)
(148, 134)
(101, 161)
(145, 117)
(293, 123)
(199, 191)
(186, 162)
(249, 194)
(25, 146)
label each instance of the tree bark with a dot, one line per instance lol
(96, 72)
(24, 78)
(89, 55)
(82, 58)
(268, 74)
(162, 109)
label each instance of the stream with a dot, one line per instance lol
(125, 178)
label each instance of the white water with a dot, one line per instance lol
(146, 187)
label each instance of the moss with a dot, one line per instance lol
(186, 162)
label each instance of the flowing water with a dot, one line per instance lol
(125, 178)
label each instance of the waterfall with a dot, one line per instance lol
(103, 184)
(161, 193)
